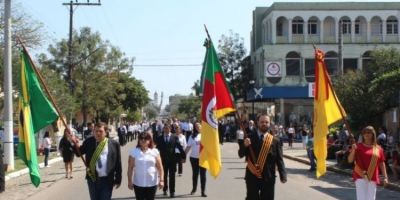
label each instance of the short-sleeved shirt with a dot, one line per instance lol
(363, 158)
(194, 144)
(145, 171)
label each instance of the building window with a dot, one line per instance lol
(331, 62)
(376, 27)
(357, 27)
(391, 26)
(309, 69)
(346, 26)
(350, 64)
(297, 26)
(293, 64)
(312, 27)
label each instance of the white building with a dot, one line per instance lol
(282, 54)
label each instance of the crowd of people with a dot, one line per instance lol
(164, 145)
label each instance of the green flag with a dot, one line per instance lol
(35, 113)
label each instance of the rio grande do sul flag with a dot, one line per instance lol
(327, 110)
(35, 113)
(216, 103)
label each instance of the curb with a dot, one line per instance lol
(390, 186)
(26, 170)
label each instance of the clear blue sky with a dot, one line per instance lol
(156, 32)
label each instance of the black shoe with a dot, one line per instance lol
(172, 195)
(165, 193)
(203, 194)
(192, 192)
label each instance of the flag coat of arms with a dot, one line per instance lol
(216, 102)
(35, 113)
(327, 110)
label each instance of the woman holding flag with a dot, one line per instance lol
(367, 156)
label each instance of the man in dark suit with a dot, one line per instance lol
(88, 132)
(166, 144)
(260, 170)
(103, 161)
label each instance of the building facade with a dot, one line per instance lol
(282, 53)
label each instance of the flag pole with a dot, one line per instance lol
(51, 99)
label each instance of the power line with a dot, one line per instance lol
(168, 65)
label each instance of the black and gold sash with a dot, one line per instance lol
(372, 165)
(257, 168)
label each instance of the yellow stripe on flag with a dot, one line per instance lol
(210, 155)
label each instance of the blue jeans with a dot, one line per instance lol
(101, 189)
(311, 157)
(46, 156)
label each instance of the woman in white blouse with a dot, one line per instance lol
(145, 170)
(182, 141)
(193, 145)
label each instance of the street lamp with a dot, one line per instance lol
(251, 84)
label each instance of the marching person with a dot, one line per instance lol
(166, 144)
(145, 158)
(264, 155)
(103, 159)
(367, 156)
(194, 147)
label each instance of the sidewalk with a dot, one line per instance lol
(299, 154)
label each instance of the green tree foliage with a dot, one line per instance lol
(231, 52)
(190, 107)
(103, 86)
(367, 94)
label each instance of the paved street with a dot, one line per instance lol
(230, 184)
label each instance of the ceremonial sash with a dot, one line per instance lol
(257, 168)
(372, 165)
(96, 155)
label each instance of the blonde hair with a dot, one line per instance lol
(371, 130)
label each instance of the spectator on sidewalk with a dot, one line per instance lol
(67, 152)
(367, 157)
(396, 161)
(145, 158)
(310, 152)
(290, 134)
(46, 148)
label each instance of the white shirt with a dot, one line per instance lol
(190, 126)
(182, 141)
(47, 143)
(194, 145)
(102, 171)
(131, 128)
(145, 173)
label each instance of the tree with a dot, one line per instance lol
(231, 52)
(190, 107)
(102, 83)
(367, 94)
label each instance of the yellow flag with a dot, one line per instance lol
(327, 110)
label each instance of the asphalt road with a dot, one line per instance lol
(229, 185)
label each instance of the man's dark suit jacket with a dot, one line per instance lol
(274, 158)
(167, 149)
(114, 167)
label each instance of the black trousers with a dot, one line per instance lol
(145, 193)
(179, 163)
(259, 189)
(169, 174)
(196, 169)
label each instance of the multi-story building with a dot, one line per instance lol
(282, 53)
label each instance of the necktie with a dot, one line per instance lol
(262, 137)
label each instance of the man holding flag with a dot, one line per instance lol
(263, 153)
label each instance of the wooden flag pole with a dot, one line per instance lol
(52, 101)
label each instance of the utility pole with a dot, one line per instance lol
(340, 48)
(8, 105)
(71, 5)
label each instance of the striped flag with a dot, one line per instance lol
(327, 110)
(216, 103)
(35, 113)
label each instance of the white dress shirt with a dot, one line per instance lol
(194, 145)
(102, 171)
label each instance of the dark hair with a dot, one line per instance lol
(46, 134)
(146, 135)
